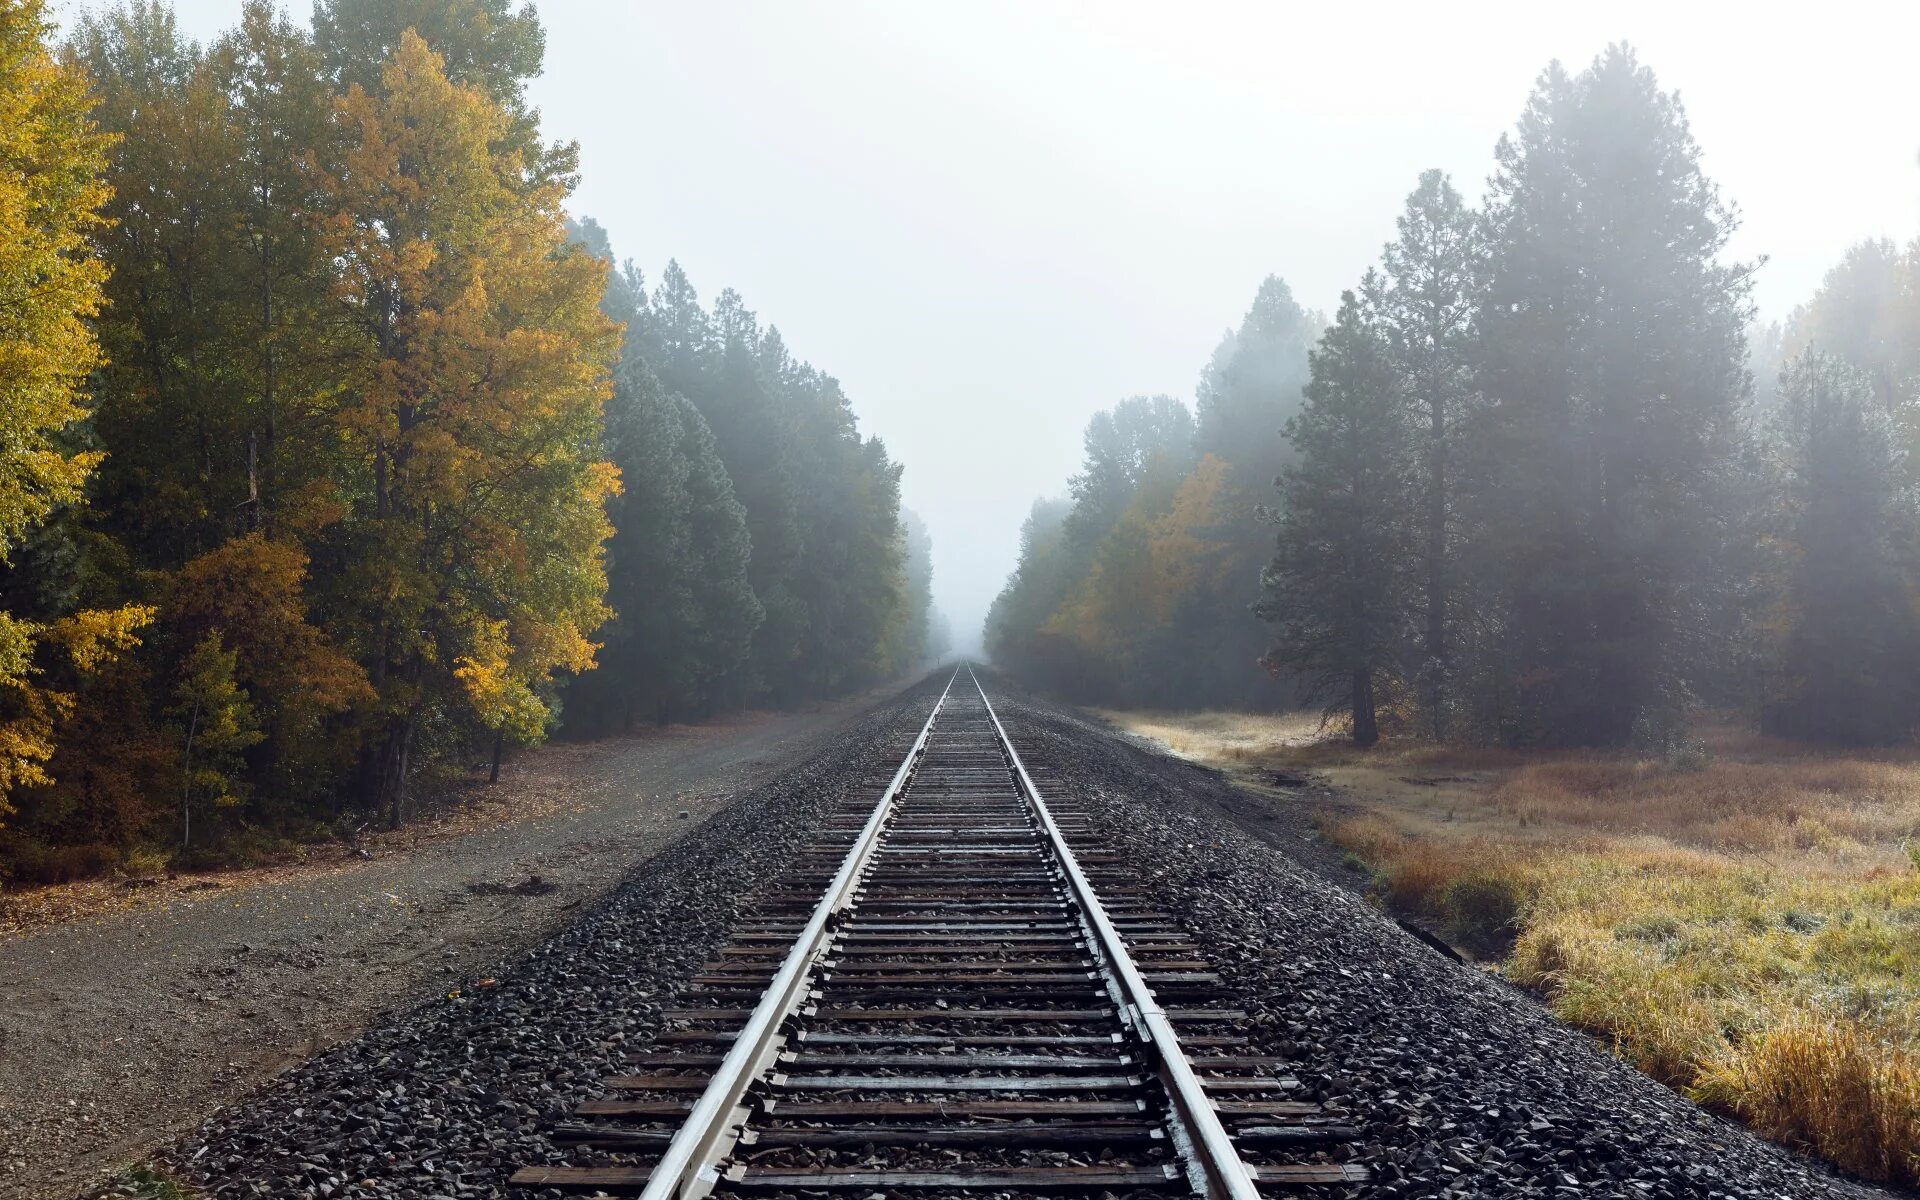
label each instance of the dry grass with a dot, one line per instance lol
(1746, 928)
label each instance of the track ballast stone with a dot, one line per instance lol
(446, 1100)
(1464, 1085)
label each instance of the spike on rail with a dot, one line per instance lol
(954, 988)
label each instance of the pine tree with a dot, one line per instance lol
(1850, 647)
(1338, 591)
(1611, 354)
(1253, 386)
(1246, 394)
(1425, 297)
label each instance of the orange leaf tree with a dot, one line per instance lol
(470, 418)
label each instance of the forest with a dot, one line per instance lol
(337, 460)
(1542, 479)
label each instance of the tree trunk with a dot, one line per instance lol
(660, 713)
(1435, 669)
(186, 784)
(1366, 727)
(499, 744)
(390, 771)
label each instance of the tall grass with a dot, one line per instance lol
(1746, 929)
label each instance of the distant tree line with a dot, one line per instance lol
(332, 459)
(1524, 488)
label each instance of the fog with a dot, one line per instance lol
(991, 220)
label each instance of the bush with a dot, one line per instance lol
(28, 863)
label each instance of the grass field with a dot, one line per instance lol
(1744, 925)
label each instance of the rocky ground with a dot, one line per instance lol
(1464, 1087)
(120, 1030)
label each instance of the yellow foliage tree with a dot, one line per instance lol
(51, 191)
(473, 412)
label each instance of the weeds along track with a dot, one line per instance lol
(954, 988)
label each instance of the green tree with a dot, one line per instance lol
(1848, 630)
(1865, 315)
(1611, 353)
(1339, 591)
(1253, 386)
(217, 721)
(1425, 298)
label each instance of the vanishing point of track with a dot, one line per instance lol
(954, 988)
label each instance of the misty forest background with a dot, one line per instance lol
(337, 460)
(1541, 481)
(333, 458)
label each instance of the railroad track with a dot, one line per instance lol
(954, 988)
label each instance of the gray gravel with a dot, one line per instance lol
(1463, 1086)
(448, 1099)
(122, 1032)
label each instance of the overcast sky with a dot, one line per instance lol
(991, 219)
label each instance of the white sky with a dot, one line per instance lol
(991, 218)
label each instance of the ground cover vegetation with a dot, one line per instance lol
(1740, 926)
(1541, 495)
(334, 457)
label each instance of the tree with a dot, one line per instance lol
(1246, 394)
(918, 620)
(1425, 298)
(1610, 350)
(1139, 437)
(1338, 591)
(676, 564)
(1253, 385)
(471, 416)
(1864, 315)
(51, 193)
(217, 719)
(1849, 633)
(1039, 583)
(484, 44)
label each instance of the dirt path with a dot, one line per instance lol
(118, 1032)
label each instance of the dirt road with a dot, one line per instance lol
(120, 1032)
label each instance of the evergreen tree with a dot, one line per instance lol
(1340, 591)
(1253, 386)
(1846, 666)
(1611, 353)
(1038, 586)
(1865, 315)
(1140, 437)
(1425, 296)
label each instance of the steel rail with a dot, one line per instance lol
(686, 1170)
(1213, 1164)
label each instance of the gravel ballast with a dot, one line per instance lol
(1461, 1085)
(448, 1099)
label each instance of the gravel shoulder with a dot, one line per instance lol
(121, 1032)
